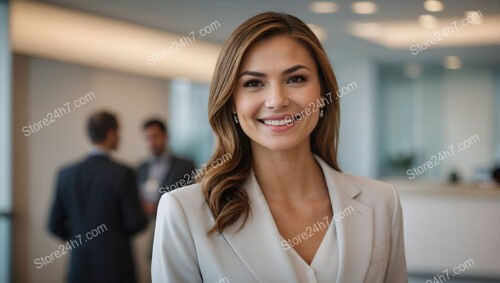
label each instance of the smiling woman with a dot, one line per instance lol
(283, 177)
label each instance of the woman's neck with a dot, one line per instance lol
(291, 176)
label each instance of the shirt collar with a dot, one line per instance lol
(165, 155)
(96, 150)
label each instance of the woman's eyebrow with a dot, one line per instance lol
(294, 68)
(252, 73)
(285, 72)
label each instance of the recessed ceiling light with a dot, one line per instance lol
(452, 62)
(408, 34)
(364, 7)
(318, 31)
(474, 17)
(428, 21)
(365, 29)
(323, 7)
(413, 71)
(433, 5)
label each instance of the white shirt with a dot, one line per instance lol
(158, 167)
(325, 263)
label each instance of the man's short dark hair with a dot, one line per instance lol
(155, 122)
(99, 124)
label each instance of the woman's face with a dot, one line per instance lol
(277, 82)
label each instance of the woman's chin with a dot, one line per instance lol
(279, 145)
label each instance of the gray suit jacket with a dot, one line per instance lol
(370, 239)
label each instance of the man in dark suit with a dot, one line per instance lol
(91, 193)
(163, 171)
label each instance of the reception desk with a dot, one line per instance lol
(448, 225)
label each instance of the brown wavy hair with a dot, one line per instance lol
(223, 186)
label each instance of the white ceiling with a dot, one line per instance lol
(182, 17)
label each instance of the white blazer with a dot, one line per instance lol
(370, 240)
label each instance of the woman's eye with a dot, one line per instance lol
(296, 80)
(253, 83)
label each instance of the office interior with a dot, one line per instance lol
(420, 108)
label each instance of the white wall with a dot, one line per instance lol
(357, 149)
(446, 225)
(46, 86)
(468, 111)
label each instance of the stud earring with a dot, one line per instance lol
(321, 113)
(235, 117)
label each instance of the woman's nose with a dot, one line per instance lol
(276, 98)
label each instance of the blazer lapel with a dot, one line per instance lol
(258, 243)
(354, 223)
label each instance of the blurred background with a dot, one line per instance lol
(420, 107)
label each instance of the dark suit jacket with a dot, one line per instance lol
(177, 172)
(90, 193)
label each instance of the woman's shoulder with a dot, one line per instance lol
(357, 186)
(187, 202)
(189, 192)
(372, 192)
(365, 183)
(188, 196)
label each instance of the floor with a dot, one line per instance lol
(423, 278)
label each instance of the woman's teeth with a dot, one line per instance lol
(282, 122)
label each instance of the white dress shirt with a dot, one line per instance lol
(325, 263)
(158, 167)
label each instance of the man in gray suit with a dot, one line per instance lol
(163, 171)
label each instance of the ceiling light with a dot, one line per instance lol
(92, 40)
(318, 31)
(364, 7)
(428, 21)
(474, 17)
(404, 34)
(452, 62)
(413, 71)
(323, 7)
(433, 5)
(365, 29)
